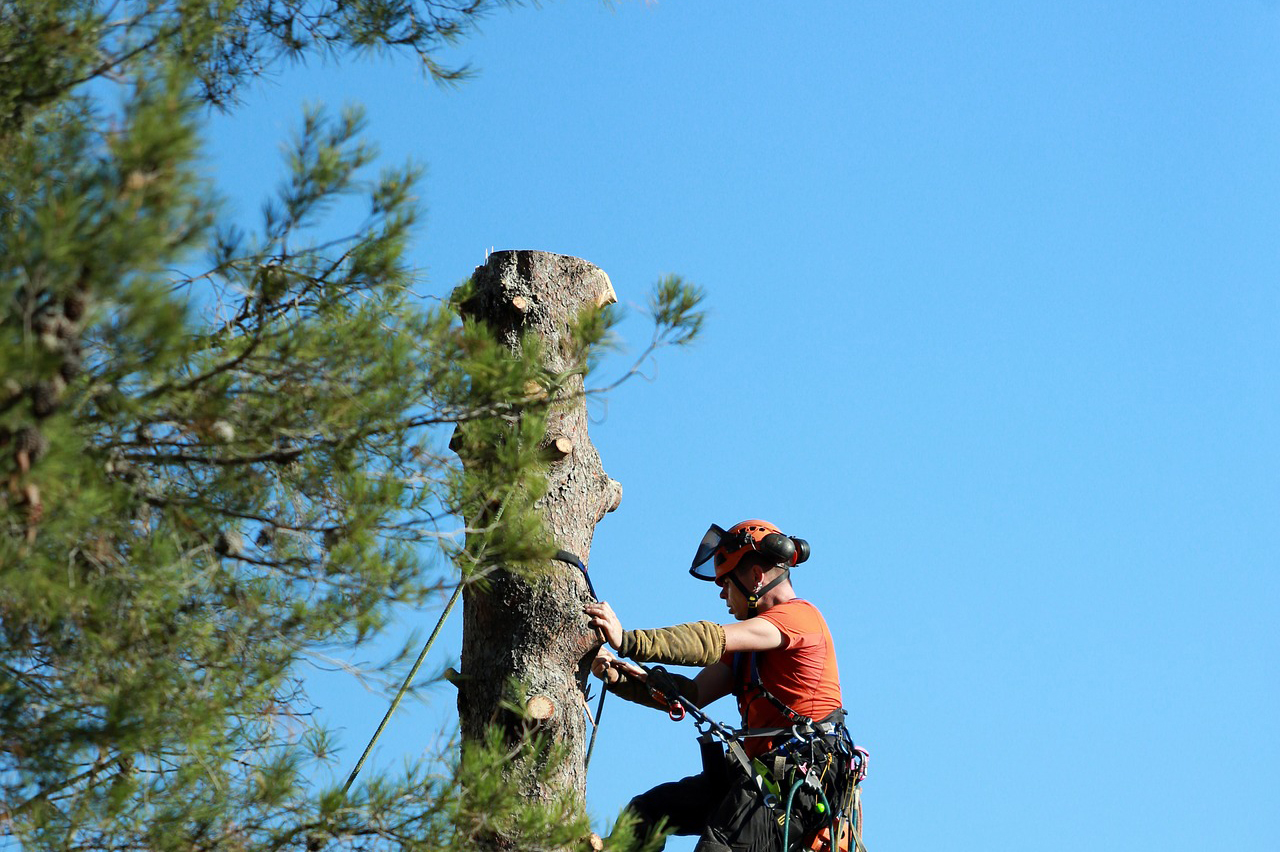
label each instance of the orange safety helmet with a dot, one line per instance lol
(726, 548)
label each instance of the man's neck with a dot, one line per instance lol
(773, 597)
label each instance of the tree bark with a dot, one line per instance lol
(534, 631)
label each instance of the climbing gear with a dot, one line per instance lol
(820, 758)
(562, 556)
(572, 559)
(404, 687)
(639, 692)
(666, 689)
(848, 828)
(847, 820)
(664, 683)
(698, 643)
(595, 724)
(817, 755)
(821, 808)
(821, 754)
(741, 686)
(728, 547)
(595, 729)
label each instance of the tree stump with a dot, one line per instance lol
(534, 631)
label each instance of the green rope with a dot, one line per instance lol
(786, 825)
(404, 687)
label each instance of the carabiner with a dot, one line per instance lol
(675, 710)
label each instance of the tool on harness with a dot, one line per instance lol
(822, 807)
(726, 549)
(846, 818)
(817, 755)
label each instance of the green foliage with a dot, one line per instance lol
(51, 47)
(674, 306)
(211, 470)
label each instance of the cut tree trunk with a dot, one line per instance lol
(534, 631)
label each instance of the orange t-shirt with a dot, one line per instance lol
(802, 674)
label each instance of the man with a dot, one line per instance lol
(778, 658)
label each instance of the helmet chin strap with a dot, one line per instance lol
(753, 598)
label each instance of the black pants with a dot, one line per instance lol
(726, 811)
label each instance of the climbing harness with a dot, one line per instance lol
(811, 752)
(748, 686)
(752, 682)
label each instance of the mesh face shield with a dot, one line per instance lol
(724, 549)
(706, 549)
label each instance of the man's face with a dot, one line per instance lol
(732, 595)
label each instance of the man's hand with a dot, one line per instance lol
(603, 619)
(610, 669)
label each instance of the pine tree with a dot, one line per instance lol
(206, 475)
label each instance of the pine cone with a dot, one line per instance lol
(29, 440)
(75, 305)
(45, 396)
(53, 330)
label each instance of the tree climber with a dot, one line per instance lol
(778, 658)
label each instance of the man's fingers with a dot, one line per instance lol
(627, 668)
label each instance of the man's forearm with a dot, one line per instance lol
(636, 690)
(699, 643)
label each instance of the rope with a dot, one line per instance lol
(404, 687)
(562, 555)
(595, 728)
(572, 559)
(786, 825)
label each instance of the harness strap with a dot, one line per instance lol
(772, 768)
(830, 725)
(758, 685)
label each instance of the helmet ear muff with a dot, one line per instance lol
(777, 546)
(726, 549)
(787, 551)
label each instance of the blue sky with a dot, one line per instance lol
(994, 325)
